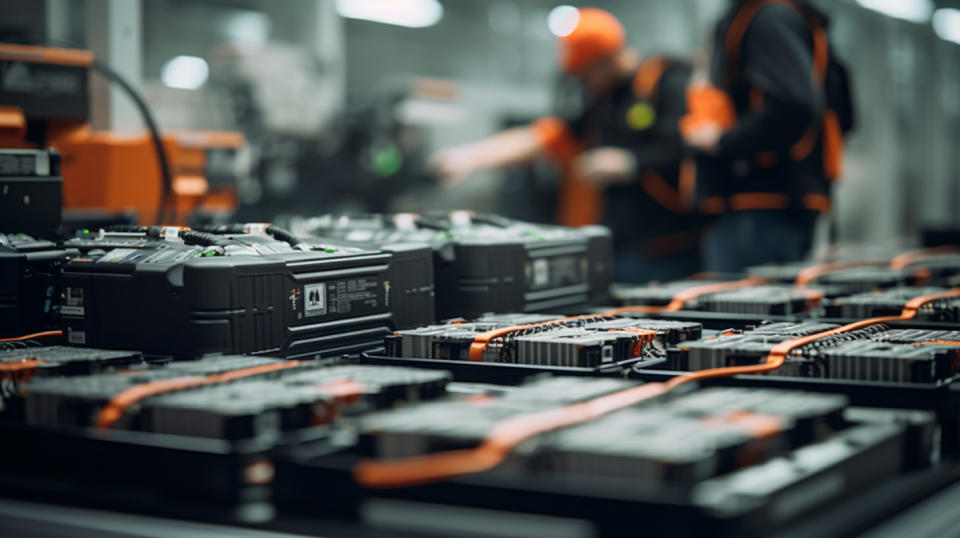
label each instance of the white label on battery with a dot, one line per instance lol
(72, 311)
(116, 255)
(541, 272)
(73, 303)
(314, 300)
(43, 163)
(171, 233)
(255, 227)
(76, 337)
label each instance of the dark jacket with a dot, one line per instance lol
(777, 99)
(648, 213)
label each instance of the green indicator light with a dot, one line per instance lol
(387, 161)
(641, 116)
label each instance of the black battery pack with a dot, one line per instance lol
(31, 192)
(487, 263)
(248, 293)
(29, 290)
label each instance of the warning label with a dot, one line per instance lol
(314, 300)
(73, 303)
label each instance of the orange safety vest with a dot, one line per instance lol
(828, 126)
(581, 203)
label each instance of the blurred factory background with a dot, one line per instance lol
(343, 101)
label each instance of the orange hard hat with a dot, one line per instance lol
(597, 34)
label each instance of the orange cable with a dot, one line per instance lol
(681, 298)
(123, 400)
(809, 274)
(902, 261)
(938, 343)
(482, 340)
(42, 334)
(511, 432)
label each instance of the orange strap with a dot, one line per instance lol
(832, 145)
(42, 334)
(482, 340)
(661, 192)
(779, 353)
(687, 182)
(746, 201)
(938, 343)
(956, 359)
(501, 440)
(505, 436)
(757, 425)
(713, 205)
(647, 80)
(821, 58)
(817, 202)
(741, 22)
(122, 401)
(902, 261)
(646, 86)
(809, 274)
(682, 297)
(20, 370)
(344, 392)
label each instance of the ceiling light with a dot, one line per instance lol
(185, 72)
(908, 10)
(562, 20)
(946, 24)
(409, 13)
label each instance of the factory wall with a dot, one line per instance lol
(902, 164)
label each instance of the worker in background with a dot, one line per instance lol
(619, 155)
(769, 128)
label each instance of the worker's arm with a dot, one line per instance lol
(513, 146)
(608, 165)
(776, 60)
(552, 136)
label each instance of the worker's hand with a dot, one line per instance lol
(605, 166)
(705, 139)
(453, 165)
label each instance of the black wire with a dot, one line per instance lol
(107, 72)
(165, 175)
(283, 235)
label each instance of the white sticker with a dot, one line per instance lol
(116, 255)
(73, 302)
(76, 337)
(171, 233)
(314, 300)
(43, 163)
(541, 272)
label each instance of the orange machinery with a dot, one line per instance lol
(44, 102)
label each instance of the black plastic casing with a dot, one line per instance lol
(476, 276)
(29, 292)
(250, 304)
(31, 192)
